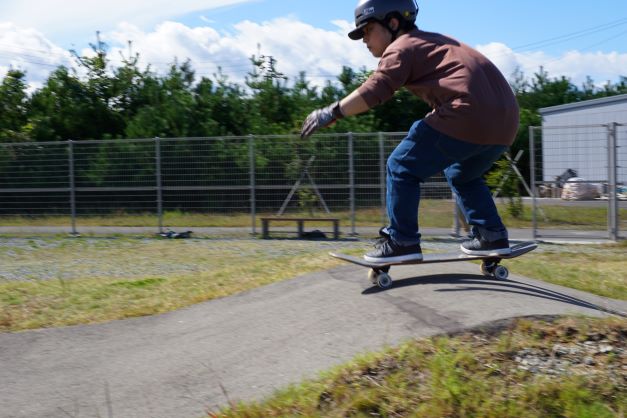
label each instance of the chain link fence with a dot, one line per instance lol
(145, 181)
(578, 177)
(234, 181)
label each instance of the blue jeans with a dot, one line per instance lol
(426, 152)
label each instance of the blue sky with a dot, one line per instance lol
(573, 39)
(474, 22)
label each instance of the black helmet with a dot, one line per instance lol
(379, 10)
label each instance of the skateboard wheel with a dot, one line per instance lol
(384, 281)
(501, 272)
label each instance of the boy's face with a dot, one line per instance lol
(377, 38)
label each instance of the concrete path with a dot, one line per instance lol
(244, 347)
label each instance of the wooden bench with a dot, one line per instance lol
(300, 224)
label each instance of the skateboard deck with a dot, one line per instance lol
(489, 267)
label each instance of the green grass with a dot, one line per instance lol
(433, 213)
(601, 270)
(60, 281)
(563, 217)
(96, 280)
(597, 269)
(474, 374)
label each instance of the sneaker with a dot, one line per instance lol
(387, 251)
(383, 232)
(479, 246)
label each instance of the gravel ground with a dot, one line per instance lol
(63, 258)
(583, 358)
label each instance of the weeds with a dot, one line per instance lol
(474, 374)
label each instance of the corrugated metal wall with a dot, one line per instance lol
(573, 137)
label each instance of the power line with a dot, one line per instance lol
(611, 38)
(563, 58)
(43, 51)
(40, 56)
(30, 61)
(567, 37)
(572, 35)
(18, 51)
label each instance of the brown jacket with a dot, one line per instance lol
(471, 99)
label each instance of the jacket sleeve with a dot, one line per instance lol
(391, 74)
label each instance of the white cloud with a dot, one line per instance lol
(602, 67)
(29, 50)
(296, 46)
(575, 65)
(70, 15)
(502, 56)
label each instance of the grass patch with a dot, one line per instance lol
(598, 269)
(433, 213)
(66, 281)
(60, 281)
(475, 374)
(139, 284)
(563, 217)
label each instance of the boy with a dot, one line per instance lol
(474, 120)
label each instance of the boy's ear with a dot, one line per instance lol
(394, 23)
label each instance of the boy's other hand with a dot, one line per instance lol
(320, 118)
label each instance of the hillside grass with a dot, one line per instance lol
(476, 374)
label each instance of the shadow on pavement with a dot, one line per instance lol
(470, 282)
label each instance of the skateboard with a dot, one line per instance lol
(490, 264)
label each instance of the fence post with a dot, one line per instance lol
(72, 186)
(253, 202)
(612, 164)
(382, 178)
(351, 182)
(532, 173)
(159, 185)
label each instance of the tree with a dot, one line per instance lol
(167, 105)
(100, 89)
(61, 108)
(270, 104)
(127, 83)
(14, 107)
(230, 108)
(506, 180)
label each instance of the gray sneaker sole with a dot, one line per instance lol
(397, 259)
(496, 252)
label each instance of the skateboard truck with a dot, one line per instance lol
(379, 274)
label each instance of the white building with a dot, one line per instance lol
(574, 137)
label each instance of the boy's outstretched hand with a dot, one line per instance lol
(321, 118)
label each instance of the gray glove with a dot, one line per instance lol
(321, 118)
